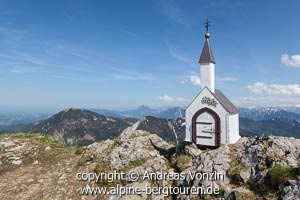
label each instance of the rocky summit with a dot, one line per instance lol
(35, 166)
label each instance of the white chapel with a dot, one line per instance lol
(211, 118)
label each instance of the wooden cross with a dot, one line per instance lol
(207, 25)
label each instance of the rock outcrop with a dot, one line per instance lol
(134, 150)
(252, 168)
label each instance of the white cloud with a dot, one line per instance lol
(192, 79)
(170, 99)
(228, 78)
(290, 61)
(261, 88)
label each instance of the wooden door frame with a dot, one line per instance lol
(217, 125)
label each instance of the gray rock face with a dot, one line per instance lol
(193, 151)
(206, 162)
(134, 150)
(292, 191)
(234, 167)
(249, 160)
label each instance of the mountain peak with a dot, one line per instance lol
(81, 127)
(143, 107)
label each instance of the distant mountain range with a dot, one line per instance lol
(264, 113)
(292, 109)
(142, 111)
(81, 127)
(259, 113)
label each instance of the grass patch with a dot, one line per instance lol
(277, 175)
(44, 138)
(280, 175)
(78, 150)
(235, 168)
(132, 164)
(117, 141)
(84, 159)
(47, 139)
(102, 166)
(138, 162)
(2, 168)
(182, 162)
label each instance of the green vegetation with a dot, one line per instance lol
(182, 162)
(44, 138)
(138, 162)
(277, 175)
(84, 159)
(47, 139)
(102, 166)
(117, 141)
(280, 175)
(247, 196)
(235, 168)
(2, 168)
(132, 164)
(78, 150)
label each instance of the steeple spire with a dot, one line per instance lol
(207, 55)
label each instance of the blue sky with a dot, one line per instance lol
(122, 54)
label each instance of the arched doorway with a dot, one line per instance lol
(206, 128)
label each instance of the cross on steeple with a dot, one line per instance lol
(207, 55)
(207, 25)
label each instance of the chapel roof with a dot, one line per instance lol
(207, 54)
(226, 103)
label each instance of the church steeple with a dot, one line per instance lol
(207, 64)
(207, 55)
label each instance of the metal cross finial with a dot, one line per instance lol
(207, 25)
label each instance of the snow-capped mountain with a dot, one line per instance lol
(261, 113)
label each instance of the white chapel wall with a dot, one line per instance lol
(234, 128)
(197, 105)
